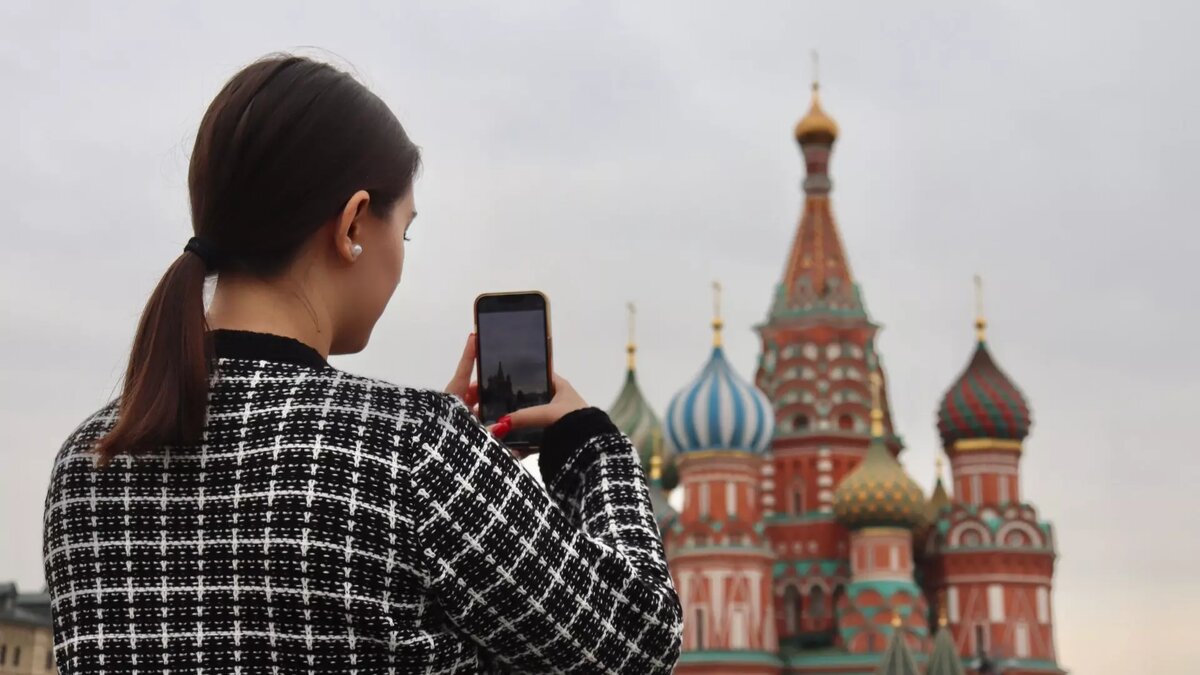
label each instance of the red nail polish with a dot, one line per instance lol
(502, 427)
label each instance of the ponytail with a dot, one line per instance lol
(279, 151)
(164, 397)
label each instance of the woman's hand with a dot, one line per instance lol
(461, 385)
(566, 400)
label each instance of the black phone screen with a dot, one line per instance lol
(514, 358)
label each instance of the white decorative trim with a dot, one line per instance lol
(987, 469)
(959, 529)
(999, 578)
(1036, 538)
(995, 603)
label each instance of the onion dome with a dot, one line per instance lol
(878, 493)
(983, 402)
(632, 414)
(816, 125)
(719, 410)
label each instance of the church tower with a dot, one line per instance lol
(634, 416)
(881, 506)
(719, 427)
(991, 559)
(817, 349)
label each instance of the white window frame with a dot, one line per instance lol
(1021, 640)
(1043, 604)
(739, 628)
(995, 603)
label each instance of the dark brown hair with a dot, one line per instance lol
(280, 151)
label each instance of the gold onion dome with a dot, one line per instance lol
(878, 493)
(816, 124)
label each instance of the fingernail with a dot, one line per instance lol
(501, 428)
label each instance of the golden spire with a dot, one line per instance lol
(656, 455)
(717, 323)
(816, 121)
(980, 322)
(937, 463)
(942, 621)
(896, 621)
(631, 347)
(876, 404)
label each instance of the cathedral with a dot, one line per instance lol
(802, 545)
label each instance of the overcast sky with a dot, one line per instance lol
(639, 150)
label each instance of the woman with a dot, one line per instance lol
(246, 507)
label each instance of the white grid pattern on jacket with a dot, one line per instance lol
(333, 523)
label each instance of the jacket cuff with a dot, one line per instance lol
(563, 439)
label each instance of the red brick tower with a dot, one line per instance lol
(818, 346)
(990, 558)
(719, 427)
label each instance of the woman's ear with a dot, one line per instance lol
(345, 235)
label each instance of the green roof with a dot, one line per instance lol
(898, 659)
(943, 660)
(730, 656)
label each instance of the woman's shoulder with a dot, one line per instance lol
(90, 431)
(398, 404)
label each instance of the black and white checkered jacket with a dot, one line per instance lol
(334, 523)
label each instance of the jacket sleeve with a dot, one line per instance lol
(539, 592)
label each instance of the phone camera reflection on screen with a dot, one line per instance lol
(512, 355)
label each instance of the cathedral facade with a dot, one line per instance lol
(802, 545)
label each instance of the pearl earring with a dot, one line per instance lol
(356, 250)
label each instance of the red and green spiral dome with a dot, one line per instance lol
(983, 403)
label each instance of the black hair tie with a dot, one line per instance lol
(205, 250)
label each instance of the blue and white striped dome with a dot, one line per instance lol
(719, 411)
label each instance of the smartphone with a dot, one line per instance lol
(513, 349)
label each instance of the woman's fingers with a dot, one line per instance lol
(460, 384)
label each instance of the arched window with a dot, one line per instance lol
(800, 422)
(798, 497)
(793, 606)
(699, 614)
(846, 423)
(816, 603)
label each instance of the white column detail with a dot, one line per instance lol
(995, 601)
